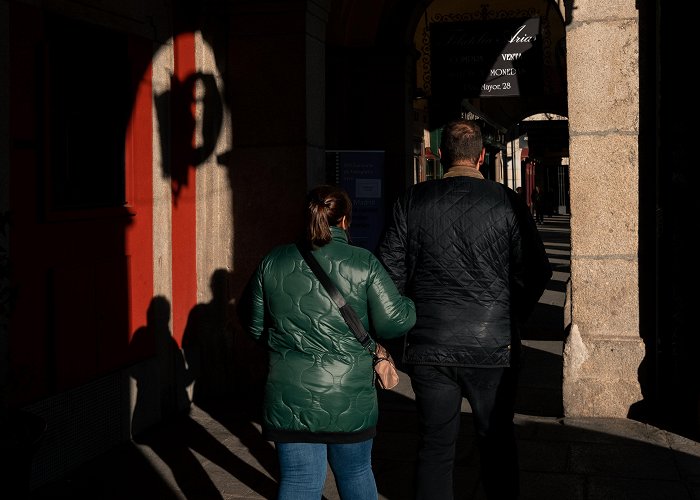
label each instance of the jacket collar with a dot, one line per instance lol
(339, 234)
(463, 171)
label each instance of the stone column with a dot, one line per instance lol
(603, 350)
(275, 77)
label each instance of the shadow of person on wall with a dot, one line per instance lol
(208, 343)
(161, 375)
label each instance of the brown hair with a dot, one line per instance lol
(326, 206)
(461, 141)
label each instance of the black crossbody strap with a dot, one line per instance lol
(346, 311)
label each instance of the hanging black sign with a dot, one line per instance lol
(486, 58)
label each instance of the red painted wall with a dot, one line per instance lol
(81, 277)
(139, 188)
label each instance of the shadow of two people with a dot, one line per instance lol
(203, 367)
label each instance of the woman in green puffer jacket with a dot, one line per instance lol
(320, 398)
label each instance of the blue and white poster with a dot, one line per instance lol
(360, 173)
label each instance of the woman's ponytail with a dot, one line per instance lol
(326, 206)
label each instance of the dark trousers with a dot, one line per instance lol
(491, 393)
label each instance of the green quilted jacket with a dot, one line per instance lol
(320, 384)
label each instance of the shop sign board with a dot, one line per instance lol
(486, 58)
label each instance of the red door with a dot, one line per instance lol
(80, 200)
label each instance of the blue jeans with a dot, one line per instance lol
(303, 470)
(491, 393)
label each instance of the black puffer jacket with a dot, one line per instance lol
(468, 252)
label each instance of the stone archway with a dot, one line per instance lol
(604, 349)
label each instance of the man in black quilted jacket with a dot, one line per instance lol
(467, 251)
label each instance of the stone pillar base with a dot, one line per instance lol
(600, 376)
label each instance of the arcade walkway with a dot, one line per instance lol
(220, 454)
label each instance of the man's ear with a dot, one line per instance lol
(481, 156)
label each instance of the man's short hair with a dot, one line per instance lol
(461, 142)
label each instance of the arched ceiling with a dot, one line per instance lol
(473, 41)
(372, 23)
